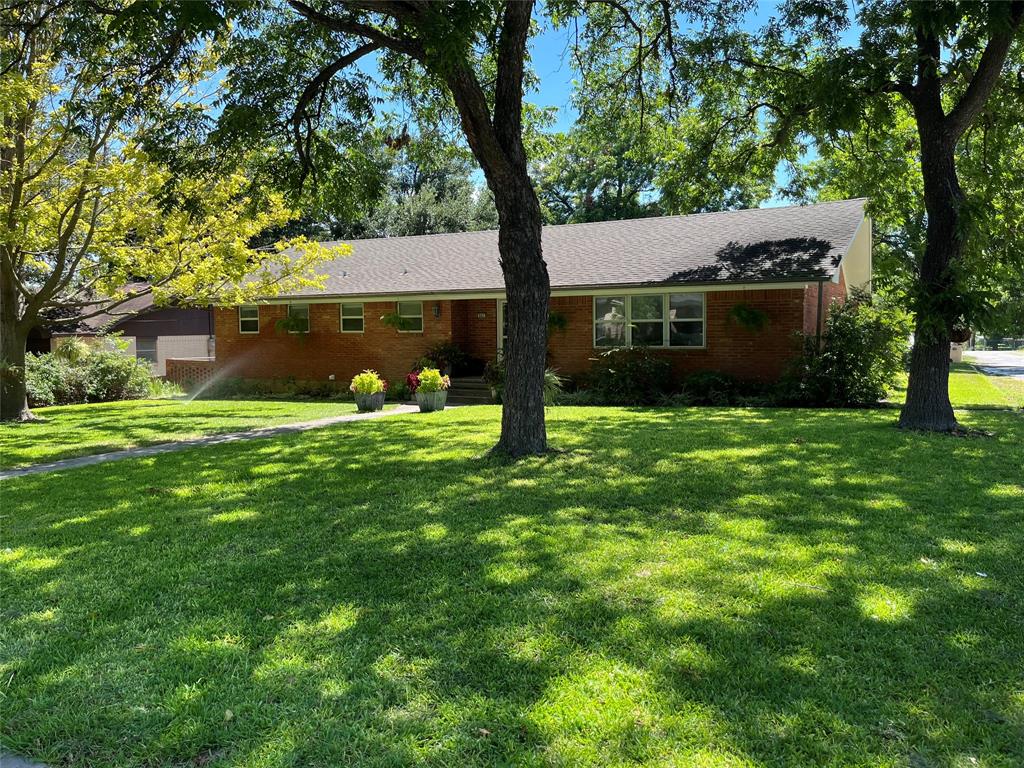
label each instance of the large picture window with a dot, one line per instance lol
(249, 319)
(649, 320)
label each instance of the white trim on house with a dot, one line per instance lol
(398, 311)
(555, 292)
(241, 319)
(342, 318)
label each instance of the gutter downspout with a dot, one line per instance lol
(821, 299)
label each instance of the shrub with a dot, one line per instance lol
(368, 382)
(629, 377)
(400, 391)
(494, 377)
(710, 388)
(431, 380)
(85, 373)
(721, 389)
(861, 356)
(51, 380)
(445, 356)
(114, 376)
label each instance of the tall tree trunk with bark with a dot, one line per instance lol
(497, 144)
(527, 288)
(937, 304)
(928, 406)
(13, 337)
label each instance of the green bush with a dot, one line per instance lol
(629, 377)
(368, 382)
(90, 374)
(494, 377)
(445, 356)
(431, 380)
(721, 389)
(862, 354)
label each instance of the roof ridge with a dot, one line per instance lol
(606, 221)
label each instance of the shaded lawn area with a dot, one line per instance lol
(694, 587)
(970, 388)
(78, 430)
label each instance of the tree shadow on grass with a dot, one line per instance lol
(692, 585)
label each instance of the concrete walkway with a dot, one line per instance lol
(8, 760)
(195, 442)
(998, 363)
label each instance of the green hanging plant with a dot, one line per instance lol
(396, 321)
(557, 321)
(749, 317)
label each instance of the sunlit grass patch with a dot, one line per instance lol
(676, 587)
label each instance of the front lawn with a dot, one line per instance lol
(78, 430)
(970, 388)
(694, 587)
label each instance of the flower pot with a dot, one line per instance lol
(367, 403)
(432, 401)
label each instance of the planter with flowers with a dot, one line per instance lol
(430, 387)
(370, 390)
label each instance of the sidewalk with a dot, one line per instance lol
(180, 445)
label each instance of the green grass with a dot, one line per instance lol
(78, 430)
(694, 587)
(970, 388)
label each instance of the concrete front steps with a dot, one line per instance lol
(469, 391)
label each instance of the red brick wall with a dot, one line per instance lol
(730, 348)
(314, 356)
(830, 291)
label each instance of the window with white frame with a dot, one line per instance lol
(351, 318)
(298, 318)
(410, 314)
(649, 320)
(249, 319)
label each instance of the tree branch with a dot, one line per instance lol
(398, 44)
(316, 85)
(508, 91)
(985, 77)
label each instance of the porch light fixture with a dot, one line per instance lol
(437, 309)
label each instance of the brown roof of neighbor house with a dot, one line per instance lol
(792, 244)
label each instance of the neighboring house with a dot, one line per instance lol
(153, 333)
(672, 284)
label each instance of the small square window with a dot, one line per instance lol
(351, 318)
(298, 316)
(249, 319)
(145, 349)
(411, 315)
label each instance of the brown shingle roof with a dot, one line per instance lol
(799, 243)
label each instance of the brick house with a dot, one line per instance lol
(671, 283)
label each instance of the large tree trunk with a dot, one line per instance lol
(13, 399)
(527, 289)
(936, 306)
